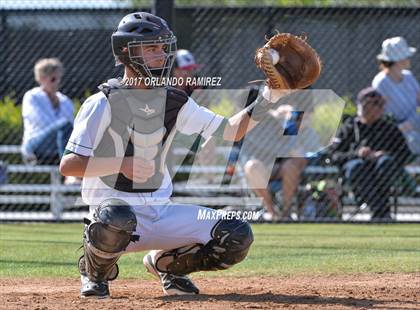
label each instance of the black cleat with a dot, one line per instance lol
(91, 289)
(171, 284)
(178, 285)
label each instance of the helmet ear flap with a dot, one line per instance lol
(122, 60)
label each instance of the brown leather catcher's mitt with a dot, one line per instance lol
(296, 64)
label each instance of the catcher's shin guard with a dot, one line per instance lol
(230, 243)
(106, 236)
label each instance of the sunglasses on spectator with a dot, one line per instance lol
(54, 79)
(376, 101)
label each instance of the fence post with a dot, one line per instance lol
(55, 201)
(165, 10)
(4, 38)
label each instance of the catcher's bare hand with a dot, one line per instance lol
(137, 169)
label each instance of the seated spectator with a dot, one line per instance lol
(263, 144)
(288, 170)
(400, 89)
(47, 115)
(371, 153)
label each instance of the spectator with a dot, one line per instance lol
(288, 170)
(260, 146)
(185, 68)
(400, 88)
(47, 115)
(371, 153)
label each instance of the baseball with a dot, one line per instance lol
(274, 56)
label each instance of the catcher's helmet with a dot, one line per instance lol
(138, 30)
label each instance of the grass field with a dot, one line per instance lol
(51, 250)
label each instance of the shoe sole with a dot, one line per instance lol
(175, 292)
(148, 263)
(94, 297)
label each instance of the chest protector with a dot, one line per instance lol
(142, 125)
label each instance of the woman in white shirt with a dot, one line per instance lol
(400, 88)
(47, 115)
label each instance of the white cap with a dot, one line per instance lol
(185, 60)
(395, 49)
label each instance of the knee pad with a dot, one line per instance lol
(230, 243)
(106, 236)
(112, 226)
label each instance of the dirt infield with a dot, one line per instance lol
(378, 291)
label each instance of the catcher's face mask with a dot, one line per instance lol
(154, 58)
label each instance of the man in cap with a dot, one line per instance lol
(371, 153)
(185, 68)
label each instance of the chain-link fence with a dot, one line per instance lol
(223, 41)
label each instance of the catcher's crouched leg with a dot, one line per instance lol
(106, 236)
(231, 240)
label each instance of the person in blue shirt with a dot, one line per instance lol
(400, 88)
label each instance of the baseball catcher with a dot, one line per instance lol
(119, 144)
